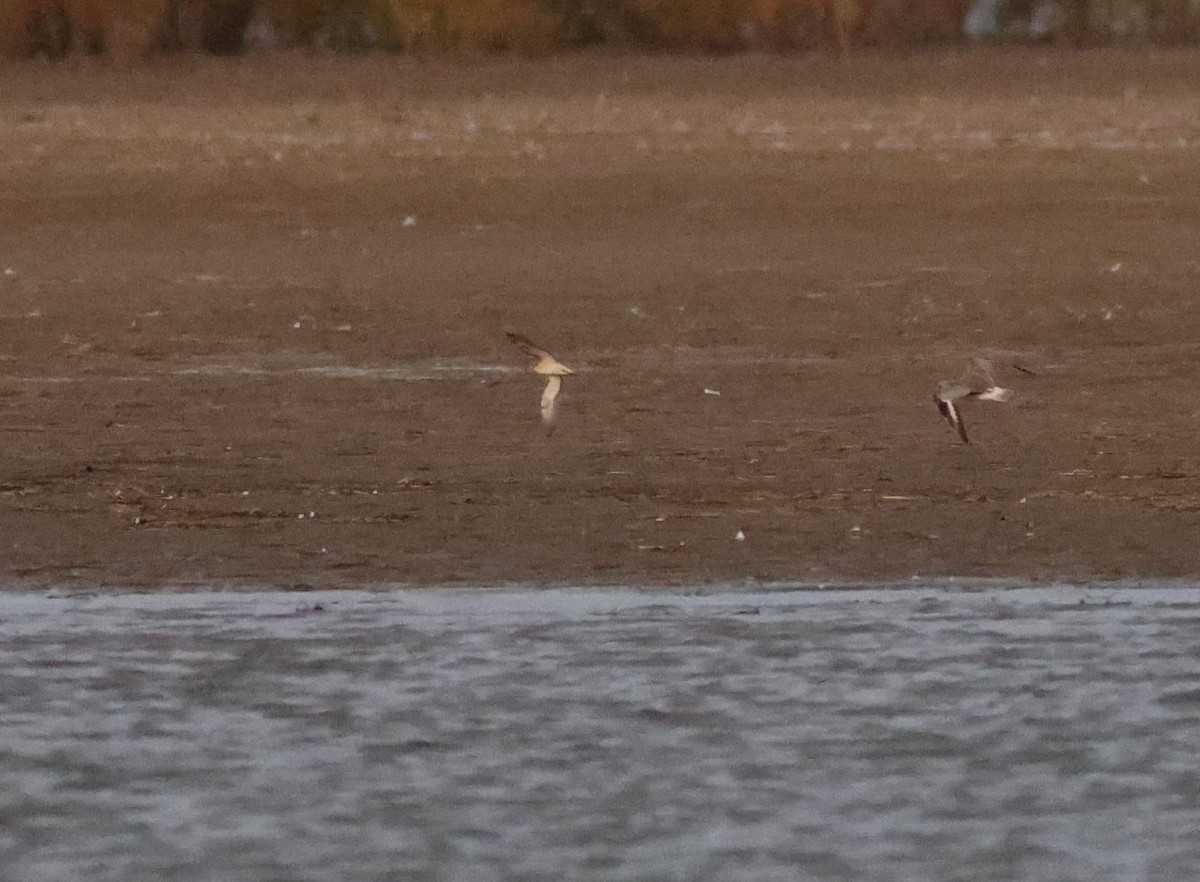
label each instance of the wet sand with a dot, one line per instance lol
(252, 328)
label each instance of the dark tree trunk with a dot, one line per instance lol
(225, 26)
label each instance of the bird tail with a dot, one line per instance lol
(995, 393)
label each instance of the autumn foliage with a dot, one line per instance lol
(126, 30)
(477, 25)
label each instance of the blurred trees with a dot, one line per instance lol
(61, 27)
(127, 30)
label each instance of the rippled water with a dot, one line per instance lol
(914, 734)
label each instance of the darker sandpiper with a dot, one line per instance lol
(978, 383)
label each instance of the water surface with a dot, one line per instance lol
(910, 734)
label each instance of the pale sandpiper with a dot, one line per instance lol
(542, 362)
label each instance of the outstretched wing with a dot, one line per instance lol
(550, 399)
(980, 376)
(953, 416)
(531, 349)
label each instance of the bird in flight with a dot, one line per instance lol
(542, 362)
(977, 383)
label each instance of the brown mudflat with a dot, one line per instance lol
(252, 328)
